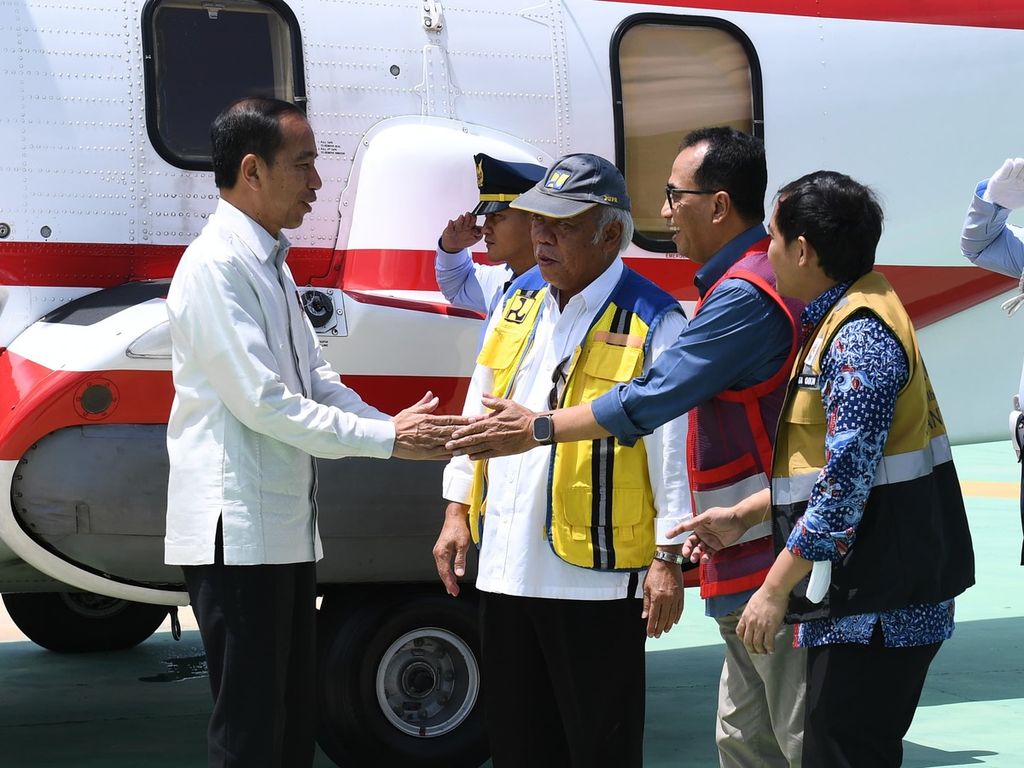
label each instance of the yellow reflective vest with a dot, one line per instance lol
(912, 545)
(600, 502)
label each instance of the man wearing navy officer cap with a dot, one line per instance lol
(505, 232)
(575, 567)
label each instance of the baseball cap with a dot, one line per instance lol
(574, 184)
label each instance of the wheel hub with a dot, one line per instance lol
(427, 682)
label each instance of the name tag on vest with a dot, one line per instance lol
(807, 380)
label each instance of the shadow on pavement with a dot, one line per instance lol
(920, 756)
(983, 661)
(103, 710)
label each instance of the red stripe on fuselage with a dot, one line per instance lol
(431, 307)
(386, 269)
(36, 401)
(998, 14)
(929, 293)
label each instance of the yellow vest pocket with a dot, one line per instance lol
(606, 363)
(502, 346)
(577, 508)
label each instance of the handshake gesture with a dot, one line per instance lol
(419, 434)
(1006, 187)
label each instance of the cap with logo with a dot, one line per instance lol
(574, 184)
(501, 182)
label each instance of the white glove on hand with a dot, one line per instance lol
(1006, 187)
(1012, 305)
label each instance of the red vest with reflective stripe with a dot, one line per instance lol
(730, 445)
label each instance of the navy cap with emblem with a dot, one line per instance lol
(501, 182)
(574, 184)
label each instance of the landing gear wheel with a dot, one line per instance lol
(400, 683)
(79, 622)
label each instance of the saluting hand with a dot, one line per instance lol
(460, 233)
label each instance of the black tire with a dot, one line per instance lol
(82, 622)
(413, 655)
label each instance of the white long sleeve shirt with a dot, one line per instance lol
(467, 284)
(254, 399)
(988, 241)
(515, 555)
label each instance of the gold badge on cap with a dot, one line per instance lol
(480, 174)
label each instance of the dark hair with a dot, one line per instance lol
(734, 163)
(840, 217)
(251, 125)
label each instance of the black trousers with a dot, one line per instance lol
(563, 681)
(1022, 510)
(258, 624)
(860, 702)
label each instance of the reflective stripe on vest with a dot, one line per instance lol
(600, 501)
(913, 544)
(899, 468)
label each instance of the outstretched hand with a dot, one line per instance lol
(712, 530)
(506, 430)
(421, 435)
(460, 232)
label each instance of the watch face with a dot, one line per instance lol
(542, 429)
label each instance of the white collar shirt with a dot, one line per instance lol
(254, 400)
(515, 555)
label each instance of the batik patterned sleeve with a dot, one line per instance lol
(863, 371)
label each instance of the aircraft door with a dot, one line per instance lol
(671, 75)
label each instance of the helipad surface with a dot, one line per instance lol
(147, 707)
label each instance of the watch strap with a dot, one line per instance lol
(669, 557)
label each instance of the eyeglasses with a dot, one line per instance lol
(559, 377)
(672, 194)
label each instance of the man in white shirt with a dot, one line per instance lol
(254, 401)
(988, 241)
(505, 231)
(575, 567)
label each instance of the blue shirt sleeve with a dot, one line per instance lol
(739, 338)
(862, 374)
(457, 279)
(988, 241)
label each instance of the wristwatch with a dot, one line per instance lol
(669, 557)
(544, 430)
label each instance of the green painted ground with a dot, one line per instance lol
(96, 712)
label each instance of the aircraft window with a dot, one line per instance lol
(201, 56)
(671, 75)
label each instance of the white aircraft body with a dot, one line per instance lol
(105, 178)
